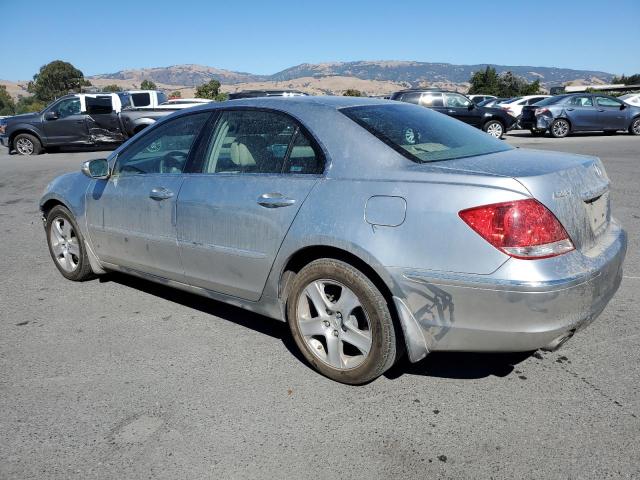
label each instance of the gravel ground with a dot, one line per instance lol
(119, 378)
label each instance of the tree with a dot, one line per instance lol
(506, 84)
(175, 94)
(148, 85)
(632, 80)
(7, 105)
(29, 104)
(352, 92)
(486, 82)
(211, 90)
(56, 79)
(111, 88)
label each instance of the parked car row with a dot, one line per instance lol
(494, 121)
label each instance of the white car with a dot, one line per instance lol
(631, 98)
(514, 106)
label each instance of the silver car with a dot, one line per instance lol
(373, 228)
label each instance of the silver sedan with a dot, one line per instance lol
(373, 228)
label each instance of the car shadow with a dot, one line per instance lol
(459, 365)
(439, 364)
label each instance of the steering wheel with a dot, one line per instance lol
(173, 162)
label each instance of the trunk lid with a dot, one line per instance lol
(574, 187)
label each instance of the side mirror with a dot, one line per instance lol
(51, 115)
(471, 106)
(623, 106)
(98, 169)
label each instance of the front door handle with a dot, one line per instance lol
(274, 200)
(160, 193)
(569, 109)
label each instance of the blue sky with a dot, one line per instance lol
(268, 36)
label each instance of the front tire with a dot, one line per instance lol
(341, 322)
(634, 128)
(560, 128)
(494, 128)
(26, 144)
(66, 245)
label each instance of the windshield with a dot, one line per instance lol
(511, 100)
(421, 134)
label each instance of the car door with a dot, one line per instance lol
(610, 114)
(131, 217)
(64, 123)
(256, 171)
(102, 120)
(582, 113)
(460, 107)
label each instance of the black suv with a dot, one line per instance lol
(494, 121)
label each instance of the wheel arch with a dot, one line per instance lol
(308, 254)
(26, 130)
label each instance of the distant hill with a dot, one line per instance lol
(371, 77)
(406, 72)
(184, 75)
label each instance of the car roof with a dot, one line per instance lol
(286, 103)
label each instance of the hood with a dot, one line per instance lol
(23, 117)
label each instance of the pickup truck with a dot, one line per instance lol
(77, 120)
(146, 98)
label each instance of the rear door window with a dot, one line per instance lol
(142, 99)
(99, 105)
(258, 141)
(431, 99)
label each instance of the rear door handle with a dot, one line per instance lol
(274, 200)
(160, 193)
(569, 109)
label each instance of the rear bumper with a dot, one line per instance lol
(523, 306)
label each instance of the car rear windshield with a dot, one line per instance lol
(421, 134)
(550, 101)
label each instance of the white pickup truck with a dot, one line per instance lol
(146, 98)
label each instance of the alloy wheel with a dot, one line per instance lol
(64, 244)
(334, 325)
(494, 129)
(24, 146)
(636, 126)
(560, 128)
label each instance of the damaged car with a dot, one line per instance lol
(373, 228)
(73, 120)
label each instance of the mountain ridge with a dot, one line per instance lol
(412, 73)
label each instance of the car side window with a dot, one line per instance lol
(164, 149)
(257, 141)
(99, 105)
(581, 102)
(535, 100)
(302, 157)
(68, 107)
(607, 102)
(431, 99)
(455, 100)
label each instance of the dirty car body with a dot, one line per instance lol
(392, 204)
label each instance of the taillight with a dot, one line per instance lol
(541, 111)
(523, 228)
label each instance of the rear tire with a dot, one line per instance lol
(560, 128)
(350, 339)
(26, 144)
(634, 128)
(537, 133)
(495, 128)
(66, 245)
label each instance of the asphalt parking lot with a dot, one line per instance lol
(119, 378)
